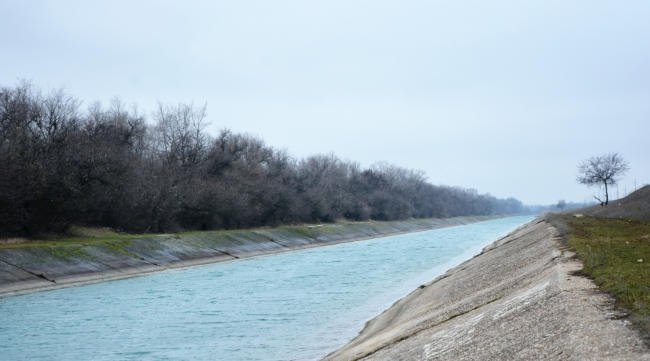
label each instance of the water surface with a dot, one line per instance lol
(298, 305)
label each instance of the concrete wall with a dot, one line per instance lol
(27, 268)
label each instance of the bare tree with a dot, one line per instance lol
(604, 169)
(60, 165)
(180, 135)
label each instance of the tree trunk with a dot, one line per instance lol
(606, 194)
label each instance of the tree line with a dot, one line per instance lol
(109, 166)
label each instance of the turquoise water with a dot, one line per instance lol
(292, 306)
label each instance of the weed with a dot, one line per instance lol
(616, 255)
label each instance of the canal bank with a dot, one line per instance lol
(522, 298)
(298, 305)
(39, 266)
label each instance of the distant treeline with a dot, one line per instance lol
(61, 165)
(559, 207)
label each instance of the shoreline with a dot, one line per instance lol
(520, 298)
(71, 262)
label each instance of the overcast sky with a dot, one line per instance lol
(503, 96)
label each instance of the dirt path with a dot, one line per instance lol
(518, 300)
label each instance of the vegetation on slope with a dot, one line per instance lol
(88, 236)
(111, 167)
(101, 253)
(616, 255)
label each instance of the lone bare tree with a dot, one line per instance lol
(604, 169)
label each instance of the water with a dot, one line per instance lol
(292, 306)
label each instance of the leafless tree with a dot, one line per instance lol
(180, 133)
(61, 165)
(602, 170)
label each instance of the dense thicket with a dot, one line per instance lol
(106, 166)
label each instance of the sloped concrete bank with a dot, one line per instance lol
(33, 267)
(520, 299)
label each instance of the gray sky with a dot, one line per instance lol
(503, 96)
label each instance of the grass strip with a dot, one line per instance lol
(616, 255)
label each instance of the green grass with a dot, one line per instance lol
(51, 242)
(118, 246)
(94, 236)
(86, 236)
(616, 255)
(71, 251)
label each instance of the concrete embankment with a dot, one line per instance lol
(520, 299)
(46, 265)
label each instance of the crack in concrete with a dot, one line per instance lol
(38, 275)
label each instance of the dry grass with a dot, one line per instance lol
(616, 255)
